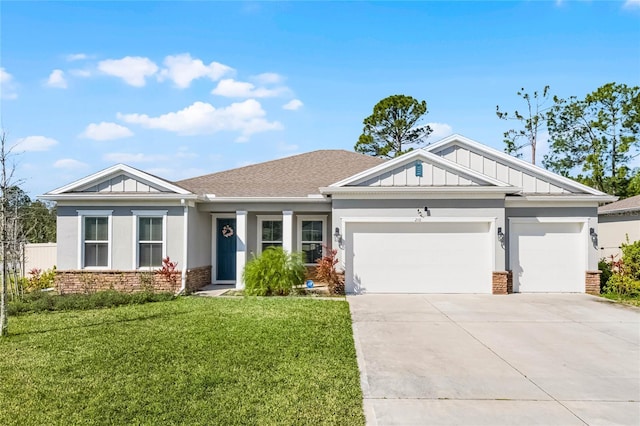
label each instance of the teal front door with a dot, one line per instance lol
(226, 250)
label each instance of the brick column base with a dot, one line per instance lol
(502, 282)
(592, 282)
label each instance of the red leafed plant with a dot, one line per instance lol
(168, 271)
(326, 271)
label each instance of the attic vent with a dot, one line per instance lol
(419, 168)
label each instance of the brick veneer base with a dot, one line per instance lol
(128, 281)
(592, 282)
(502, 282)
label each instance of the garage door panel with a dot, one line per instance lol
(547, 257)
(419, 257)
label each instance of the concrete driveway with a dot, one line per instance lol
(497, 360)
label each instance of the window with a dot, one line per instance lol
(150, 241)
(94, 238)
(96, 242)
(270, 233)
(311, 233)
(150, 238)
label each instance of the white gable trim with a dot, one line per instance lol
(412, 156)
(517, 162)
(115, 170)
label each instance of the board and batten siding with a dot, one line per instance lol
(497, 170)
(122, 183)
(405, 175)
(123, 240)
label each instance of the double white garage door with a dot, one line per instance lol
(458, 257)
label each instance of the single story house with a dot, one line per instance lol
(618, 222)
(454, 217)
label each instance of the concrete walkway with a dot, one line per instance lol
(213, 290)
(497, 360)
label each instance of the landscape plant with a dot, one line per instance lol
(275, 272)
(326, 271)
(624, 281)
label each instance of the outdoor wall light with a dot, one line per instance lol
(592, 232)
(336, 235)
(500, 234)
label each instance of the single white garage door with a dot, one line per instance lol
(547, 257)
(418, 257)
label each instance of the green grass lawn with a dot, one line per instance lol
(188, 361)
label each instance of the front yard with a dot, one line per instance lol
(188, 361)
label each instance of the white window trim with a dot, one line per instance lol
(82, 214)
(300, 219)
(136, 215)
(266, 218)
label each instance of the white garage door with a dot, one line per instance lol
(547, 257)
(419, 257)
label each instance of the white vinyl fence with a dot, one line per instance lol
(42, 256)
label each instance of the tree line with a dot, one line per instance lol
(592, 140)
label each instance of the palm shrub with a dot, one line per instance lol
(274, 273)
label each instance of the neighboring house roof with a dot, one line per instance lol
(627, 205)
(295, 176)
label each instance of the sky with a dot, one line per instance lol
(181, 89)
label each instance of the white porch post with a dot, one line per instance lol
(287, 231)
(241, 246)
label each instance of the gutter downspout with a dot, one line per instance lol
(185, 248)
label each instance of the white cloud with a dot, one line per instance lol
(268, 78)
(439, 131)
(56, 79)
(77, 57)
(34, 143)
(7, 85)
(125, 157)
(80, 73)
(183, 69)
(70, 163)
(132, 69)
(293, 105)
(231, 88)
(630, 4)
(200, 118)
(105, 131)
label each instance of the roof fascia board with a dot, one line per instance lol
(213, 199)
(406, 158)
(113, 170)
(108, 197)
(419, 189)
(536, 170)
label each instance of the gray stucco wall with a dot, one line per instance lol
(199, 238)
(401, 208)
(122, 244)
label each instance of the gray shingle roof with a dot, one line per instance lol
(295, 176)
(626, 205)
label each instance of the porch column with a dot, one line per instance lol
(241, 246)
(287, 231)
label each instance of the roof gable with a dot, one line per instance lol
(436, 172)
(506, 168)
(120, 179)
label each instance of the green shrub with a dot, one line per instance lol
(605, 267)
(39, 279)
(41, 301)
(624, 279)
(274, 272)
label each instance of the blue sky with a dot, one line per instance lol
(183, 89)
